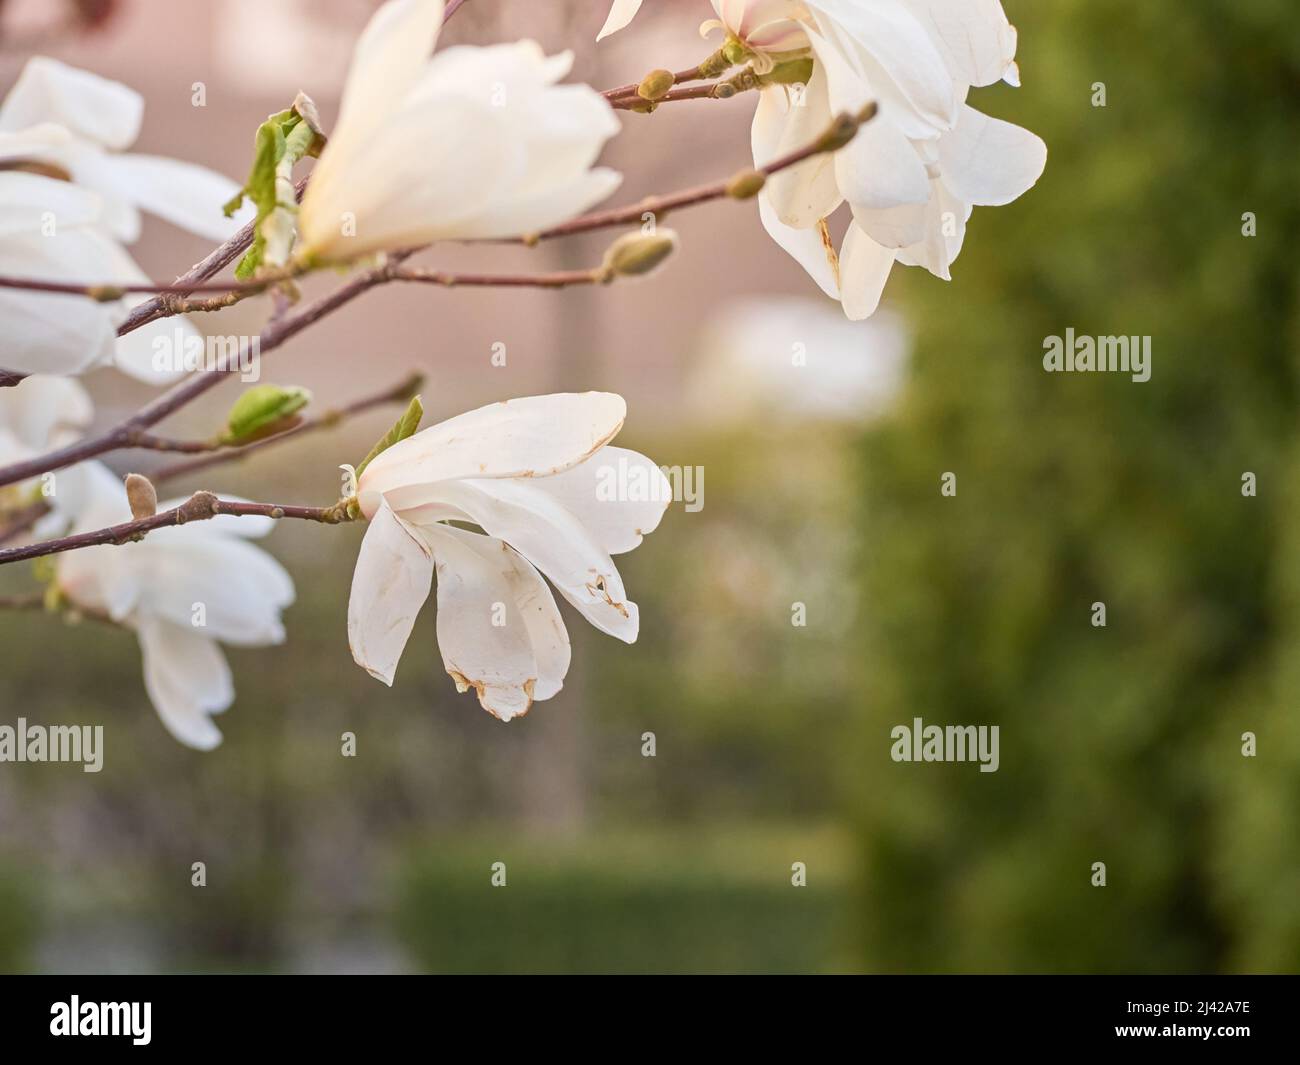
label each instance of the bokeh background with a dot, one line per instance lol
(1120, 744)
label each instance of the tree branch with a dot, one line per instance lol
(271, 337)
(402, 393)
(201, 506)
(841, 131)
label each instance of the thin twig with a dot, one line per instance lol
(558, 279)
(326, 420)
(275, 334)
(840, 133)
(25, 519)
(744, 185)
(201, 506)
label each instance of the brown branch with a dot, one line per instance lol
(841, 131)
(743, 185)
(558, 279)
(201, 506)
(23, 520)
(271, 337)
(713, 66)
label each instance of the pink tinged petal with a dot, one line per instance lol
(187, 679)
(535, 436)
(105, 112)
(864, 269)
(621, 13)
(988, 162)
(974, 37)
(810, 248)
(499, 631)
(389, 586)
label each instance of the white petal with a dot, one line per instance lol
(802, 195)
(183, 194)
(864, 269)
(536, 525)
(530, 437)
(386, 62)
(973, 36)
(619, 496)
(989, 162)
(805, 246)
(389, 586)
(30, 203)
(45, 412)
(889, 38)
(239, 587)
(100, 110)
(620, 14)
(187, 679)
(55, 333)
(481, 582)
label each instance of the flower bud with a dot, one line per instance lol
(655, 85)
(263, 411)
(746, 185)
(638, 254)
(142, 496)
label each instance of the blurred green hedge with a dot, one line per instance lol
(634, 900)
(1119, 744)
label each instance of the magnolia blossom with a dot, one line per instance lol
(37, 415)
(69, 197)
(184, 590)
(911, 176)
(537, 476)
(473, 143)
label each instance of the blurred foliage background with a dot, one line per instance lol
(1119, 744)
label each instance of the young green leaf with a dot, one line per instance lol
(405, 426)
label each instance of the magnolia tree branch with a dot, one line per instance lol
(123, 434)
(24, 519)
(744, 185)
(329, 419)
(201, 506)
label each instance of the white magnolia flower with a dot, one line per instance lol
(183, 590)
(81, 125)
(68, 198)
(472, 143)
(911, 176)
(38, 415)
(538, 477)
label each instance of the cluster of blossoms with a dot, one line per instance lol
(912, 177)
(466, 143)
